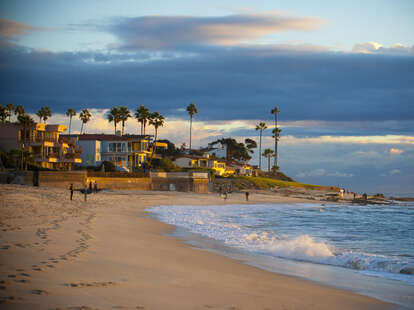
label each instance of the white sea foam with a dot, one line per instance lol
(241, 227)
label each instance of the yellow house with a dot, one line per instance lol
(218, 165)
(191, 161)
(43, 141)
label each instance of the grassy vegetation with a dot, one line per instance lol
(266, 183)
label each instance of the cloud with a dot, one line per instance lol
(224, 87)
(386, 139)
(314, 173)
(322, 172)
(160, 32)
(395, 171)
(395, 151)
(377, 48)
(10, 30)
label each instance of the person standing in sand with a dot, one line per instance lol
(95, 187)
(71, 191)
(247, 196)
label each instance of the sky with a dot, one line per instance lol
(340, 72)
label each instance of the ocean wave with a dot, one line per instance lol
(218, 223)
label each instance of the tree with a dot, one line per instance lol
(260, 127)
(191, 109)
(70, 113)
(27, 122)
(44, 113)
(4, 113)
(40, 114)
(250, 144)
(19, 110)
(234, 149)
(47, 113)
(275, 111)
(142, 115)
(124, 115)
(268, 153)
(156, 120)
(114, 116)
(85, 117)
(10, 108)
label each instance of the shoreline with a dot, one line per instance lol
(108, 252)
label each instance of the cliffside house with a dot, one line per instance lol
(47, 147)
(125, 152)
(197, 161)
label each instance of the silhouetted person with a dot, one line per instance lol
(95, 187)
(71, 191)
(90, 187)
(85, 193)
(247, 196)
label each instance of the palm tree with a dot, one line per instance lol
(261, 127)
(142, 115)
(191, 109)
(46, 113)
(267, 153)
(19, 110)
(85, 117)
(70, 113)
(114, 116)
(124, 115)
(275, 111)
(276, 135)
(40, 114)
(27, 122)
(10, 108)
(156, 120)
(4, 114)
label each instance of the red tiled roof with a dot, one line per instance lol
(107, 137)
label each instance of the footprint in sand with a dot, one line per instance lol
(90, 284)
(37, 269)
(40, 292)
(23, 281)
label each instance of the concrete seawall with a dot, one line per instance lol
(159, 181)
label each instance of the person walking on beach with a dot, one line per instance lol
(71, 191)
(95, 187)
(85, 191)
(247, 196)
(90, 187)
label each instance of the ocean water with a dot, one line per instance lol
(365, 245)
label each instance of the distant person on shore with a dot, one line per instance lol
(364, 196)
(95, 187)
(247, 196)
(90, 187)
(85, 191)
(71, 191)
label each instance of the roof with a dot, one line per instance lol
(191, 156)
(107, 137)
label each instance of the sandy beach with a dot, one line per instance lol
(108, 253)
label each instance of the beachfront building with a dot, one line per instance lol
(242, 169)
(196, 161)
(126, 152)
(191, 161)
(48, 149)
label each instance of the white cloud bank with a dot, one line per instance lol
(377, 48)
